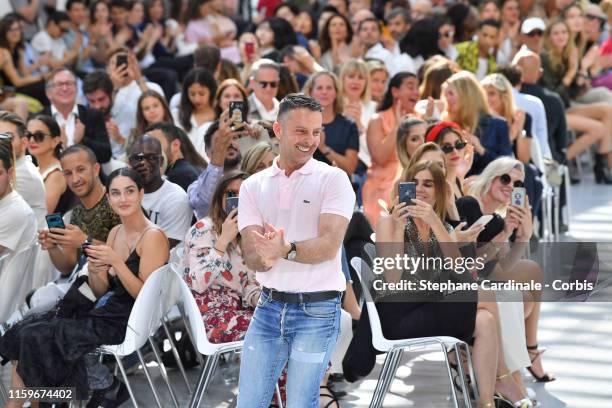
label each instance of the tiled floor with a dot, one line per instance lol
(578, 337)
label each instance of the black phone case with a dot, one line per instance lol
(407, 191)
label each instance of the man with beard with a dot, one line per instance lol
(224, 151)
(164, 202)
(91, 219)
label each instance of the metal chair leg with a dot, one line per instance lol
(149, 379)
(385, 378)
(3, 392)
(473, 378)
(163, 371)
(450, 375)
(205, 376)
(464, 388)
(127, 382)
(179, 363)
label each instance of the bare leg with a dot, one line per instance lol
(485, 353)
(350, 302)
(593, 131)
(532, 316)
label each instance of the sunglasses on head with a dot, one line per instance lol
(6, 137)
(505, 179)
(448, 148)
(150, 157)
(265, 84)
(38, 136)
(535, 33)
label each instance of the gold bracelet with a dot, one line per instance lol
(218, 250)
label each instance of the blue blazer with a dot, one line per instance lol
(493, 135)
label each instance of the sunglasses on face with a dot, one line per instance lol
(448, 148)
(38, 136)
(505, 179)
(535, 33)
(140, 157)
(265, 84)
(592, 17)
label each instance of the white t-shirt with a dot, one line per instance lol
(31, 187)
(43, 43)
(17, 224)
(483, 66)
(169, 208)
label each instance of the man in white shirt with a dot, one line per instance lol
(292, 218)
(530, 104)
(49, 43)
(264, 80)
(369, 33)
(398, 22)
(165, 203)
(128, 84)
(29, 182)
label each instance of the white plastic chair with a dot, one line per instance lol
(16, 277)
(211, 350)
(145, 318)
(395, 348)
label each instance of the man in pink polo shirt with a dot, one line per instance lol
(292, 218)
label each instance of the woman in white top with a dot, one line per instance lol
(358, 104)
(45, 144)
(196, 111)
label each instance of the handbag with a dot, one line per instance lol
(78, 301)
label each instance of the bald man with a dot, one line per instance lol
(165, 203)
(530, 64)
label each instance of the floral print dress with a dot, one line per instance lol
(222, 285)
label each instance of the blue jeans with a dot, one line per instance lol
(303, 334)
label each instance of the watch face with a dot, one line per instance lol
(291, 256)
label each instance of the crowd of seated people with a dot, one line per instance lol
(136, 121)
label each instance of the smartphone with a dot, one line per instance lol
(249, 49)
(518, 196)
(85, 245)
(484, 220)
(239, 106)
(55, 221)
(407, 192)
(122, 59)
(232, 202)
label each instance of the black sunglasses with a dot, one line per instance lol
(535, 33)
(448, 148)
(593, 17)
(265, 84)
(38, 136)
(505, 179)
(150, 157)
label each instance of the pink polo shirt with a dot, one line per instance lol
(295, 204)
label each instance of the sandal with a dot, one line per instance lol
(502, 402)
(534, 354)
(332, 395)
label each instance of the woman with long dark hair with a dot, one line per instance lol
(152, 109)
(334, 41)
(50, 349)
(400, 99)
(196, 111)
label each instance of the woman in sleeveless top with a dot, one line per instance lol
(45, 144)
(381, 137)
(49, 349)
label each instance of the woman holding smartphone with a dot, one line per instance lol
(50, 349)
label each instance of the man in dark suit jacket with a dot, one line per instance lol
(530, 64)
(79, 123)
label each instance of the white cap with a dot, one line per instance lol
(532, 23)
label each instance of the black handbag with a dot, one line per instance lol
(75, 303)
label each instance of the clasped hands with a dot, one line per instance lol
(270, 245)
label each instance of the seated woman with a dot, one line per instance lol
(488, 134)
(410, 135)
(340, 140)
(50, 349)
(259, 157)
(45, 144)
(490, 194)
(413, 229)
(152, 109)
(223, 286)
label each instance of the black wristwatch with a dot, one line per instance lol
(292, 252)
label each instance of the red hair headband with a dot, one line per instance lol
(435, 131)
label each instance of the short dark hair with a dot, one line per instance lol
(489, 22)
(400, 11)
(6, 116)
(70, 3)
(290, 5)
(512, 73)
(98, 80)
(172, 133)
(77, 148)
(57, 17)
(295, 101)
(146, 140)
(6, 155)
(212, 129)
(54, 130)
(119, 3)
(202, 77)
(207, 56)
(369, 19)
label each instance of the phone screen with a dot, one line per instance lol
(240, 106)
(407, 192)
(55, 221)
(232, 202)
(122, 59)
(518, 196)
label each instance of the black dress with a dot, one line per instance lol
(400, 318)
(50, 349)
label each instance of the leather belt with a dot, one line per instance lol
(306, 297)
